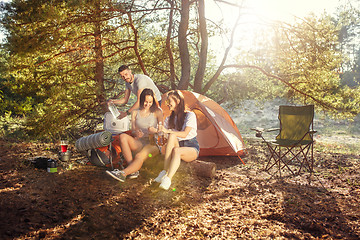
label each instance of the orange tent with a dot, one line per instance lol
(217, 132)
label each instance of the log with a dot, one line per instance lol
(203, 169)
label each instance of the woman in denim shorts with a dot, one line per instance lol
(181, 127)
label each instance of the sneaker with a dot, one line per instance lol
(165, 183)
(117, 174)
(160, 177)
(133, 175)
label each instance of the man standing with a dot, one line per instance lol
(135, 83)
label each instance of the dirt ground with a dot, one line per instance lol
(240, 202)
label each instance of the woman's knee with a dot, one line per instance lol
(172, 137)
(172, 141)
(176, 151)
(142, 155)
(123, 137)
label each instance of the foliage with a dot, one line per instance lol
(235, 87)
(64, 51)
(62, 59)
(245, 82)
(305, 58)
(348, 18)
(12, 127)
(57, 60)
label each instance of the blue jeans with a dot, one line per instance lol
(190, 143)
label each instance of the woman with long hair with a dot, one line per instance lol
(144, 122)
(181, 127)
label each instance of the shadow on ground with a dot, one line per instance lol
(240, 201)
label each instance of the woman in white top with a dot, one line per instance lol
(144, 122)
(182, 144)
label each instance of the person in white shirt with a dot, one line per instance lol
(181, 127)
(135, 83)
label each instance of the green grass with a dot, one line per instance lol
(337, 147)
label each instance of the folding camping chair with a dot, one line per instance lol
(293, 146)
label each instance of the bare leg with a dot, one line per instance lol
(186, 154)
(172, 142)
(140, 157)
(129, 144)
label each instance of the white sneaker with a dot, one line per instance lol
(159, 178)
(133, 175)
(165, 183)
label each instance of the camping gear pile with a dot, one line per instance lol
(92, 141)
(97, 147)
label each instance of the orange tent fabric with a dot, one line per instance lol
(217, 132)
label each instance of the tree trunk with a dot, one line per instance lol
(168, 47)
(136, 45)
(99, 59)
(203, 169)
(199, 76)
(183, 45)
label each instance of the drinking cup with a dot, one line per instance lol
(64, 145)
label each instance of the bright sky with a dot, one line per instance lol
(258, 12)
(285, 9)
(278, 9)
(268, 10)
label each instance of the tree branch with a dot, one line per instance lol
(217, 74)
(323, 104)
(136, 45)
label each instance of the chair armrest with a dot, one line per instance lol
(257, 129)
(272, 129)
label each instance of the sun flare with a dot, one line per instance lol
(257, 15)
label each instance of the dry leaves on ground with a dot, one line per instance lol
(240, 202)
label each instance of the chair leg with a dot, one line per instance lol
(272, 156)
(278, 157)
(286, 163)
(297, 157)
(279, 162)
(301, 156)
(307, 161)
(312, 157)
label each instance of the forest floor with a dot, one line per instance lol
(239, 202)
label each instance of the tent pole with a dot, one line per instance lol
(240, 158)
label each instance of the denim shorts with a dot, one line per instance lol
(190, 143)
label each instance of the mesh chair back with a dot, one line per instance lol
(295, 122)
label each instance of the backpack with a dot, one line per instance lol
(106, 156)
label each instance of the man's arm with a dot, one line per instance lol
(137, 103)
(122, 100)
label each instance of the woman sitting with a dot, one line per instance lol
(182, 144)
(144, 122)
